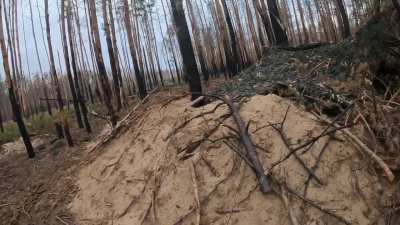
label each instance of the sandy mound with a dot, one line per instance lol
(139, 178)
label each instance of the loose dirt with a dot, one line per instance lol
(151, 174)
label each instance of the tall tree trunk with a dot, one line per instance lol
(171, 45)
(53, 71)
(100, 62)
(1, 121)
(115, 48)
(313, 33)
(39, 61)
(139, 76)
(112, 55)
(234, 48)
(262, 10)
(189, 62)
(76, 71)
(303, 23)
(277, 26)
(300, 37)
(11, 93)
(345, 19)
(75, 100)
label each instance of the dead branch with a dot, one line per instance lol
(206, 198)
(146, 213)
(229, 211)
(100, 116)
(289, 146)
(210, 166)
(365, 149)
(134, 200)
(123, 123)
(194, 145)
(311, 203)
(310, 142)
(196, 191)
(316, 165)
(239, 153)
(285, 200)
(249, 146)
(182, 125)
(61, 220)
(176, 98)
(315, 205)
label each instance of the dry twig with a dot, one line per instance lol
(365, 149)
(196, 191)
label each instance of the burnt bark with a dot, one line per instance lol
(138, 73)
(189, 61)
(53, 73)
(100, 62)
(345, 19)
(68, 67)
(279, 32)
(235, 66)
(76, 71)
(114, 70)
(11, 93)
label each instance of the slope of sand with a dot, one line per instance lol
(139, 177)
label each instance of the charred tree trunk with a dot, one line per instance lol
(114, 70)
(139, 76)
(100, 62)
(279, 32)
(189, 62)
(345, 19)
(11, 93)
(76, 71)
(116, 56)
(68, 67)
(53, 73)
(234, 48)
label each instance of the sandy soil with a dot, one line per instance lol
(144, 177)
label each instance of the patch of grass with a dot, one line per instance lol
(41, 123)
(10, 133)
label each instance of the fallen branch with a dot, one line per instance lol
(315, 205)
(365, 149)
(316, 165)
(307, 201)
(196, 191)
(288, 145)
(310, 142)
(285, 200)
(182, 125)
(122, 123)
(228, 211)
(249, 146)
(190, 148)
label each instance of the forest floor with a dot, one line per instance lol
(167, 163)
(38, 191)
